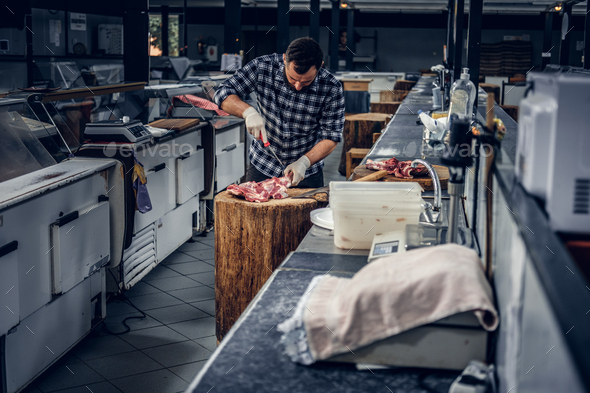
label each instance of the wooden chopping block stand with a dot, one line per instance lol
(389, 108)
(251, 241)
(358, 132)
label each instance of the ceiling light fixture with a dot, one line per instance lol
(343, 5)
(558, 7)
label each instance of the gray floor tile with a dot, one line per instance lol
(179, 313)
(160, 271)
(198, 328)
(119, 307)
(174, 283)
(123, 365)
(196, 246)
(161, 381)
(208, 241)
(101, 346)
(35, 389)
(206, 305)
(192, 295)
(177, 354)
(204, 278)
(208, 342)
(101, 387)
(188, 372)
(178, 257)
(208, 254)
(64, 377)
(192, 267)
(153, 337)
(141, 288)
(115, 324)
(155, 300)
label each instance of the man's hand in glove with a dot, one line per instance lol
(255, 124)
(298, 169)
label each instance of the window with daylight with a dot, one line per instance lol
(155, 39)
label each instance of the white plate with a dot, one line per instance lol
(323, 218)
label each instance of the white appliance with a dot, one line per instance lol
(553, 127)
(54, 245)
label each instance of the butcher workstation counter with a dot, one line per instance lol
(251, 356)
(539, 301)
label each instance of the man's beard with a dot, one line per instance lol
(290, 86)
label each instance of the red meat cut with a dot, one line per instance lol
(401, 169)
(275, 188)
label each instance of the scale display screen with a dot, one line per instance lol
(386, 248)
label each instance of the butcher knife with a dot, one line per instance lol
(372, 177)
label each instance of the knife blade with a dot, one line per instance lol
(267, 145)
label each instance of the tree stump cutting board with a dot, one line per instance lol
(358, 132)
(385, 107)
(251, 241)
(425, 181)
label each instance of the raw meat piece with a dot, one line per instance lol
(401, 169)
(261, 192)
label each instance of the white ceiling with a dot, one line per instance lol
(414, 6)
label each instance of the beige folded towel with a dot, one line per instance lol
(395, 294)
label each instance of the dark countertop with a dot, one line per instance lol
(251, 359)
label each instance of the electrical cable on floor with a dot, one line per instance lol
(125, 299)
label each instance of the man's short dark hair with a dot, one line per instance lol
(304, 53)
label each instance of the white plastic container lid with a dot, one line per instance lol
(373, 195)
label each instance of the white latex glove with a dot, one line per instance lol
(255, 124)
(298, 169)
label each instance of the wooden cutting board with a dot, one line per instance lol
(175, 124)
(425, 181)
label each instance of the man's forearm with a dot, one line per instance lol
(234, 105)
(321, 150)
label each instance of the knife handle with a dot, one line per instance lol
(266, 144)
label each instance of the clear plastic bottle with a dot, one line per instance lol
(462, 96)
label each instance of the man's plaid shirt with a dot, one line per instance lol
(294, 121)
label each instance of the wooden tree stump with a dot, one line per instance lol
(392, 95)
(251, 241)
(404, 85)
(491, 88)
(358, 132)
(388, 108)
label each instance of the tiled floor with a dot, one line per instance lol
(164, 351)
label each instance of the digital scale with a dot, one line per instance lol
(386, 244)
(117, 131)
(416, 236)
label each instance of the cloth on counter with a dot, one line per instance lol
(387, 297)
(357, 101)
(199, 103)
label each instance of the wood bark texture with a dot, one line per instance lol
(388, 108)
(358, 132)
(404, 85)
(392, 95)
(251, 241)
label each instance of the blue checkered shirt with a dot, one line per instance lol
(294, 121)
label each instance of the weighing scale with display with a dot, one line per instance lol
(416, 236)
(117, 131)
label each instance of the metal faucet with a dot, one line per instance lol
(432, 210)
